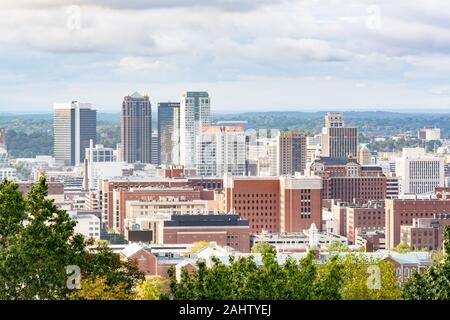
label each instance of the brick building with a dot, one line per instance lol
(275, 204)
(426, 233)
(360, 219)
(344, 179)
(106, 188)
(402, 212)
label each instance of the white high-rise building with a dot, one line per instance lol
(263, 151)
(221, 150)
(195, 112)
(418, 173)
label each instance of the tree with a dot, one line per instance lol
(152, 288)
(98, 289)
(356, 272)
(33, 264)
(12, 211)
(38, 242)
(337, 246)
(260, 247)
(402, 247)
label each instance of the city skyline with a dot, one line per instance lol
(365, 55)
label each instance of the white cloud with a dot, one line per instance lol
(210, 41)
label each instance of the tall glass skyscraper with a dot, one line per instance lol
(195, 112)
(74, 125)
(136, 129)
(169, 132)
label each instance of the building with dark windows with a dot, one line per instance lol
(275, 204)
(169, 132)
(292, 153)
(338, 141)
(74, 125)
(136, 129)
(346, 180)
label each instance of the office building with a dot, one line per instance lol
(169, 133)
(275, 204)
(221, 150)
(426, 233)
(429, 134)
(74, 125)
(346, 180)
(419, 173)
(338, 141)
(292, 153)
(195, 112)
(402, 212)
(155, 148)
(136, 129)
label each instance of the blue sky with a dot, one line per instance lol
(250, 55)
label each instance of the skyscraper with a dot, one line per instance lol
(136, 129)
(169, 132)
(338, 141)
(155, 148)
(195, 112)
(220, 150)
(292, 153)
(74, 125)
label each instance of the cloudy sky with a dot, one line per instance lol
(250, 55)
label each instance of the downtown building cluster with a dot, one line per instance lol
(189, 179)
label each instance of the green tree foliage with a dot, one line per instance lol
(337, 246)
(37, 243)
(98, 289)
(434, 282)
(356, 276)
(260, 247)
(243, 279)
(152, 288)
(402, 247)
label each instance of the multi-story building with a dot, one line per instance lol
(292, 154)
(74, 125)
(86, 224)
(338, 141)
(429, 134)
(275, 204)
(114, 218)
(418, 173)
(169, 132)
(100, 154)
(313, 147)
(392, 186)
(221, 150)
(136, 129)
(155, 148)
(347, 181)
(223, 229)
(364, 156)
(364, 218)
(8, 173)
(402, 212)
(195, 112)
(426, 233)
(262, 153)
